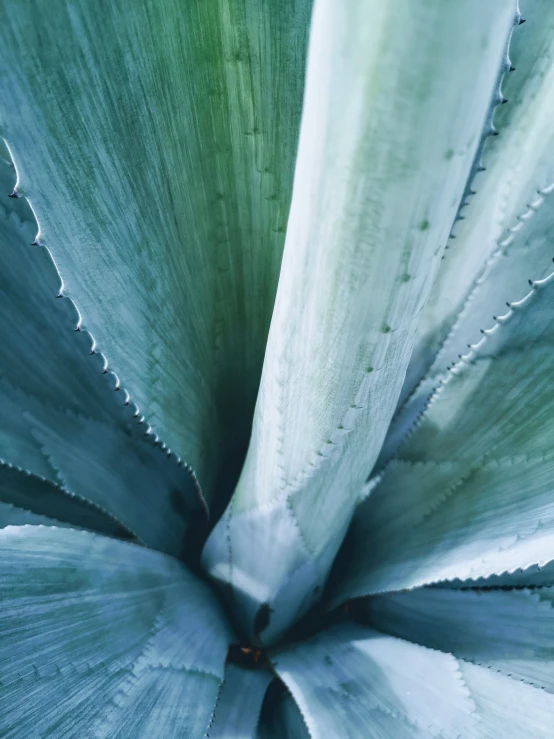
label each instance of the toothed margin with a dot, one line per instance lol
(143, 663)
(466, 360)
(112, 378)
(479, 283)
(488, 130)
(303, 706)
(216, 706)
(67, 493)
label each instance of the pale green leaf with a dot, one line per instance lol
(350, 681)
(63, 416)
(518, 168)
(506, 707)
(104, 638)
(470, 494)
(511, 631)
(156, 144)
(396, 97)
(525, 254)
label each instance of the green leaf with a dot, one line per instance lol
(391, 90)
(518, 167)
(525, 253)
(156, 143)
(104, 638)
(239, 703)
(61, 418)
(351, 681)
(34, 500)
(511, 631)
(471, 492)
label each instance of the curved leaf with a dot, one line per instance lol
(83, 617)
(156, 143)
(61, 418)
(511, 631)
(517, 168)
(396, 96)
(38, 501)
(471, 492)
(280, 716)
(351, 681)
(239, 703)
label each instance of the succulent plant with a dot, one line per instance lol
(324, 507)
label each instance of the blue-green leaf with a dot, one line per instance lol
(351, 681)
(104, 638)
(526, 253)
(280, 716)
(239, 703)
(156, 143)
(29, 499)
(518, 167)
(64, 417)
(511, 631)
(470, 494)
(396, 96)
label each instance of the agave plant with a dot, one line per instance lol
(322, 514)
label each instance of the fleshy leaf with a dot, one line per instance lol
(38, 501)
(355, 682)
(280, 716)
(156, 143)
(64, 416)
(526, 252)
(471, 492)
(506, 707)
(518, 165)
(511, 631)
(104, 638)
(393, 110)
(239, 703)
(534, 576)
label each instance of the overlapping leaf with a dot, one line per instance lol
(470, 494)
(156, 143)
(104, 638)
(396, 97)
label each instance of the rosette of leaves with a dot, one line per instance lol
(312, 493)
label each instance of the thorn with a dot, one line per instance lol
(480, 168)
(105, 372)
(59, 295)
(77, 329)
(35, 243)
(494, 318)
(494, 133)
(482, 330)
(503, 101)
(13, 194)
(530, 282)
(508, 304)
(511, 69)
(521, 21)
